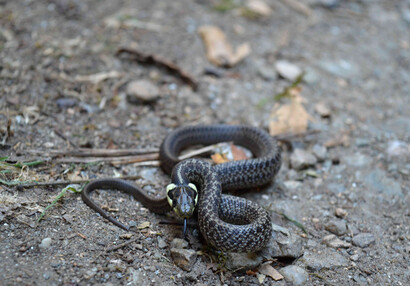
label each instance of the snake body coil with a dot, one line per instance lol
(227, 222)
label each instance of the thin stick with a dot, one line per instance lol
(122, 244)
(63, 183)
(298, 7)
(65, 138)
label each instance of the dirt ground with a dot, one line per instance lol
(63, 85)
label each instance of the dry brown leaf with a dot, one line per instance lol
(218, 50)
(145, 224)
(289, 118)
(238, 154)
(219, 158)
(268, 270)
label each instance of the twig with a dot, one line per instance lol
(298, 7)
(289, 136)
(65, 138)
(123, 160)
(150, 59)
(122, 244)
(63, 183)
(87, 152)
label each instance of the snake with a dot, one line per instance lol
(228, 223)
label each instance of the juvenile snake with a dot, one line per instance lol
(226, 222)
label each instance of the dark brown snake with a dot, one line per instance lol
(226, 222)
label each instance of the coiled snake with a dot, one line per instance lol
(226, 222)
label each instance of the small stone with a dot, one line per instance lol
(283, 244)
(354, 257)
(294, 274)
(46, 275)
(362, 142)
(259, 7)
(161, 243)
(311, 76)
(322, 109)
(337, 227)
(357, 160)
(266, 72)
(184, 258)
(142, 90)
(243, 260)
(327, 259)
(363, 239)
(397, 148)
(179, 243)
(341, 213)
(320, 152)
(301, 159)
(292, 185)
(46, 242)
(332, 240)
(288, 70)
(66, 102)
(340, 68)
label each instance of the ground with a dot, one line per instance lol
(356, 59)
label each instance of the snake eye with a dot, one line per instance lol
(193, 187)
(170, 195)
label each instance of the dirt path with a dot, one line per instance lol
(63, 85)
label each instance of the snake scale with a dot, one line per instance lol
(228, 223)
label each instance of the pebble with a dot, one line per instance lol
(184, 258)
(337, 227)
(46, 242)
(161, 243)
(340, 68)
(243, 260)
(341, 213)
(378, 181)
(320, 152)
(357, 160)
(327, 259)
(66, 102)
(363, 239)
(397, 148)
(333, 241)
(142, 90)
(294, 274)
(267, 72)
(292, 185)
(288, 70)
(46, 275)
(301, 159)
(311, 77)
(362, 142)
(322, 109)
(179, 243)
(284, 244)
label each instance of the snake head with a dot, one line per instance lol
(182, 199)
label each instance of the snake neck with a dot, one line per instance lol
(203, 175)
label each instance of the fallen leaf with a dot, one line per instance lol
(145, 224)
(218, 50)
(289, 118)
(268, 270)
(341, 139)
(238, 154)
(219, 158)
(261, 277)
